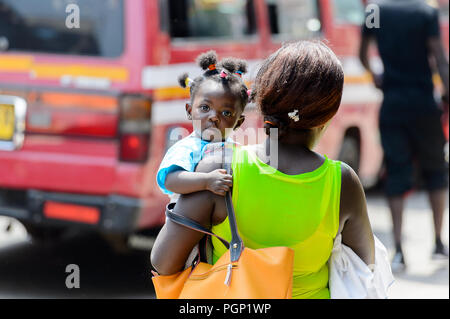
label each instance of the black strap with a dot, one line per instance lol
(189, 223)
(236, 244)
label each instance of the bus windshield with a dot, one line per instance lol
(81, 27)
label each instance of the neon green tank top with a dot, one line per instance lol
(298, 211)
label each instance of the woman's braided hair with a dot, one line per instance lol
(229, 72)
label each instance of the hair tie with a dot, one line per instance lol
(188, 82)
(223, 74)
(212, 67)
(271, 123)
(239, 73)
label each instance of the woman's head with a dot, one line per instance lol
(299, 87)
(218, 96)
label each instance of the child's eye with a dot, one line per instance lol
(204, 108)
(227, 113)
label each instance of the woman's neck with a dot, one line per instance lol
(291, 159)
(297, 138)
(286, 147)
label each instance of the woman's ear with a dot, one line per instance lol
(239, 122)
(188, 110)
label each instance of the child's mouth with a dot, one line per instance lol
(212, 133)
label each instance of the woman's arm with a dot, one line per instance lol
(174, 242)
(354, 224)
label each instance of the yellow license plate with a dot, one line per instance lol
(6, 122)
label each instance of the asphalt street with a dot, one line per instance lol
(30, 270)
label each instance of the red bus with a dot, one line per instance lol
(89, 98)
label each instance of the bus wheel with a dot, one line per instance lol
(350, 153)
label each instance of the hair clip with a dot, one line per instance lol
(223, 74)
(212, 67)
(188, 82)
(294, 116)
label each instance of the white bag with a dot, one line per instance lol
(351, 278)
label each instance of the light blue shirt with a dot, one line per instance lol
(183, 155)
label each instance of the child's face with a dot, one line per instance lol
(214, 109)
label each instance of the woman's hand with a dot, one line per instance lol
(219, 182)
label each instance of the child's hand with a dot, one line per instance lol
(219, 182)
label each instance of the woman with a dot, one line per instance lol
(306, 200)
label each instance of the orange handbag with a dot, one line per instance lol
(241, 273)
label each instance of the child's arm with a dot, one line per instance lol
(184, 182)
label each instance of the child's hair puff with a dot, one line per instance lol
(228, 71)
(205, 60)
(228, 64)
(242, 66)
(182, 80)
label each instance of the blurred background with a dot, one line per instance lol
(89, 103)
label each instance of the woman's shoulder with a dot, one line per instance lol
(353, 200)
(349, 177)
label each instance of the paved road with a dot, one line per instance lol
(424, 278)
(28, 270)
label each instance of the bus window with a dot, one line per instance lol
(41, 26)
(348, 12)
(294, 19)
(206, 19)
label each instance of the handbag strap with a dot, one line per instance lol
(236, 244)
(189, 223)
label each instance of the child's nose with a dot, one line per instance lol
(213, 117)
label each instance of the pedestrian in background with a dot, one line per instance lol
(409, 44)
